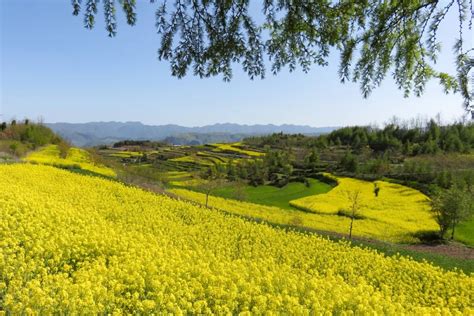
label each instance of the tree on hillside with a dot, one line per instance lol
(231, 171)
(210, 186)
(278, 166)
(214, 178)
(354, 200)
(216, 171)
(373, 38)
(452, 206)
(14, 147)
(63, 147)
(311, 161)
(242, 170)
(349, 162)
(256, 172)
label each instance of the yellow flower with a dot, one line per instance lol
(75, 244)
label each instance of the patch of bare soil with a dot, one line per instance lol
(449, 249)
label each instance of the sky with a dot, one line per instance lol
(53, 68)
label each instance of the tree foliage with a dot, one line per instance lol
(311, 161)
(349, 162)
(372, 38)
(417, 153)
(452, 207)
(411, 140)
(28, 133)
(210, 186)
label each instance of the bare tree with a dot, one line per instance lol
(354, 199)
(210, 186)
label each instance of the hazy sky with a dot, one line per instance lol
(52, 67)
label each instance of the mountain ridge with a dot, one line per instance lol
(98, 133)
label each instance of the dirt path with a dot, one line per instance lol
(451, 249)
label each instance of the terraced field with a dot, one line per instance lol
(198, 160)
(126, 154)
(76, 244)
(236, 148)
(398, 214)
(399, 209)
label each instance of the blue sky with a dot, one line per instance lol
(52, 67)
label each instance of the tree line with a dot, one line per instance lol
(431, 138)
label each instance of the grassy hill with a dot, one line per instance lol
(274, 196)
(465, 232)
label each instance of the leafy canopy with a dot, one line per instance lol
(373, 38)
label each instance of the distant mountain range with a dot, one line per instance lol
(98, 133)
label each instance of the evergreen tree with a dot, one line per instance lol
(312, 161)
(349, 162)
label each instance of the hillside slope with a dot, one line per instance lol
(395, 206)
(77, 244)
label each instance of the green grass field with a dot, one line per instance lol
(465, 232)
(274, 196)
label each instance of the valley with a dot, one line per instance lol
(239, 157)
(248, 205)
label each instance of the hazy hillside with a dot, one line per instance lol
(95, 133)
